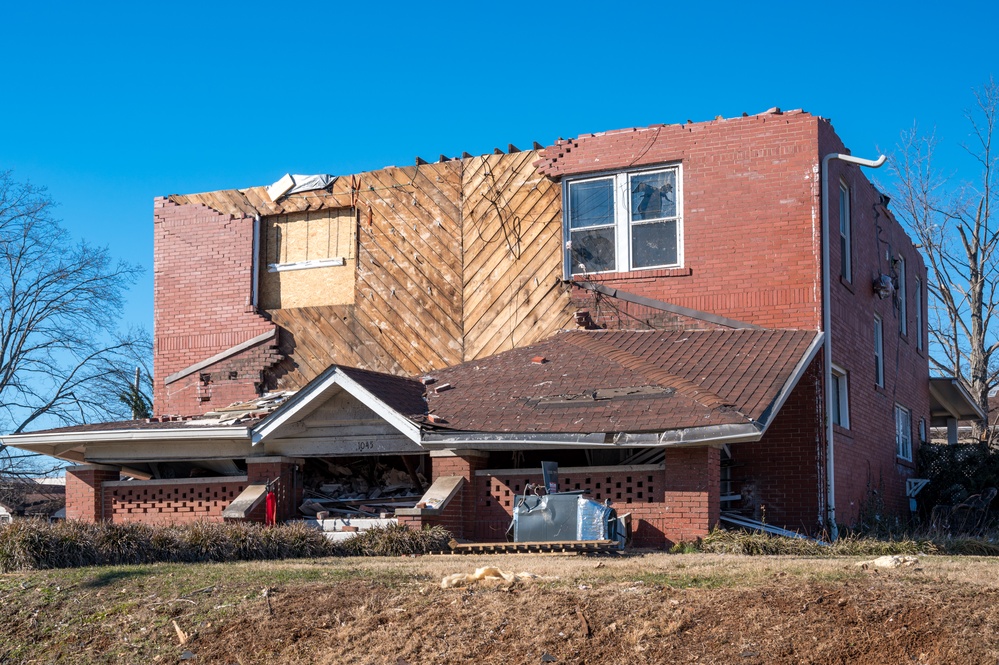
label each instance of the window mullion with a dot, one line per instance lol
(622, 225)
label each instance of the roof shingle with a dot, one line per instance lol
(622, 381)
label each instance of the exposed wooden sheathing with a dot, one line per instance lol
(456, 260)
(409, 263)
(512, 235)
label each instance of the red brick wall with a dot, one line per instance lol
(750, 220)
(203, 268)
(289, 488)
(459, 516)
(172, 501)
(84, 492)
(782, 477)
(692, 492)
(865, 460)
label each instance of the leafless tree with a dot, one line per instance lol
(63, 359)
(953, 222)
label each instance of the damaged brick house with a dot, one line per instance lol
(646, 307)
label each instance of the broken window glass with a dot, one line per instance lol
(624, 221)
(653, 195)
(592, 250)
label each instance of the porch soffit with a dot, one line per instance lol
(949, 399)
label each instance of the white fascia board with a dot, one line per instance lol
(294, 405)
(333, 377)
(792, 382)
(112, 436)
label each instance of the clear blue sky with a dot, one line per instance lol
(111, 104)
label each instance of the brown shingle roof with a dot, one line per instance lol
(621, 381)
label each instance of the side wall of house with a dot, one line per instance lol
(870, 478)
(750, 225)
(780, 478)
(202, 263)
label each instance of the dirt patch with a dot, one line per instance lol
(649, 609)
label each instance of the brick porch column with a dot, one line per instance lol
(85, 500)
(693, 491)
(459, 516)
(289, 489)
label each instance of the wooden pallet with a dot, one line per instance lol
(562, 546)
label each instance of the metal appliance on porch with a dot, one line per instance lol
(543, 514)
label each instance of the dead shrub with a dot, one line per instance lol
(721, 541)
(36, 544)
(397, 540)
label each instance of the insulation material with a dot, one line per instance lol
(486, 575)
(594, 520)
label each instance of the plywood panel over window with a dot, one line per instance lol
(308, 259)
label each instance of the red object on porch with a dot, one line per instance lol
(270, 516)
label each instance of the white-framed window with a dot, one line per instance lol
(879, 352)
(840, 397)
(903, 327)
(903, 433)
(919, 314)
(845, 248)
(624, 221)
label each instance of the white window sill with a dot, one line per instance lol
(305, 265)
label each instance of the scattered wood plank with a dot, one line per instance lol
(539, 547)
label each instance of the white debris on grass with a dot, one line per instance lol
(890, 561)
(486, 575)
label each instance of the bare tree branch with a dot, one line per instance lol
(960, 239)
(63, 360)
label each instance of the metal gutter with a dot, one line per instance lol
(81, 438)
(746, 523)
(693, 436)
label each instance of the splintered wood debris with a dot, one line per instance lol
(240, 412)
(347, 491)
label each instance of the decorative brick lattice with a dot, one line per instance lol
(167, 502)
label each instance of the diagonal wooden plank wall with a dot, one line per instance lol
(512, 237)
(456, 260)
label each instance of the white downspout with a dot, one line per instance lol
(827, 330)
